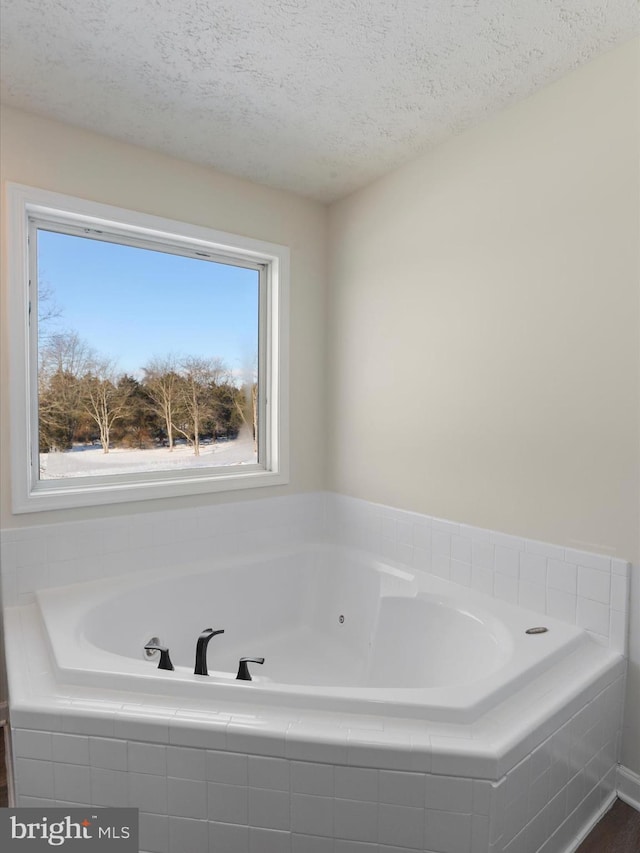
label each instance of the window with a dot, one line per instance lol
(148, 356)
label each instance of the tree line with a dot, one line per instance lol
(83, 398)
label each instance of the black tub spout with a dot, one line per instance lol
(201, 650)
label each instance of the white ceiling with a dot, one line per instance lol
(314, 96)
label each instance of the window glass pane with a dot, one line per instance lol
(147, 360)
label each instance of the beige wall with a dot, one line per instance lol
(54, 156)
(483, 334)
(484, 327)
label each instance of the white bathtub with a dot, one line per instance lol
(393, 707)
(338, 631)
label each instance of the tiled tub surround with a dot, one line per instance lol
(59, 554)
(584, 589)
(530, 774)
(193, 798)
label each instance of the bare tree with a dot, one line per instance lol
(162, 383)
(105, 398)
(199, 379)
(63, 361)
(48, 311)
(66, 352)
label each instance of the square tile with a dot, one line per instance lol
(482, 554)
(148, 792)
(460, 573)
(593, 615)
(70, 749)
(482, 579)
(72, 783)
(108, 753)
(449, 793)
(356, 783)
(227, 803)
(532, 596)
(355, 820)
(619, 592)
(154, 833)
(440, 543)
(109, 787)
(563, 576)
(188, 836)
(31, 744)
(401, 825)
(403, 789)
(186, 798)
(312, 815)
(461, 548)
(34, 778)
(479, 833)
(186, 763)
(227, 767)
(507, 561)
(267, 772)
(533, 569)
(594, 584)
(308, 778)
(228, 838)
(482, 793)
(147, 758)
(506, 588)
(448, 832)
(562, 605)
(269, 809)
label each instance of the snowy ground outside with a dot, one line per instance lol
(90, 461)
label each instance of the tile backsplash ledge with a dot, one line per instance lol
(72, 552)
(590, 590)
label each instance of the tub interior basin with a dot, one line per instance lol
(429, 642)
(336, 629)
(314, 622)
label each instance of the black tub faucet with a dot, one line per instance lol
(201, 650)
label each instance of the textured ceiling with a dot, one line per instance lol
(314, 96)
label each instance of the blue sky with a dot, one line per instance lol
(131, 304)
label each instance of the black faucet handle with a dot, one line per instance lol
(243, 669)
(165, 660)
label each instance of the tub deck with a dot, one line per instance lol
(483, 727)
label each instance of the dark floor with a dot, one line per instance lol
(3, 773)
(617, 832)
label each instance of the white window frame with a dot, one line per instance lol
(29, 493)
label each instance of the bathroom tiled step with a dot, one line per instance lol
(617, 832)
